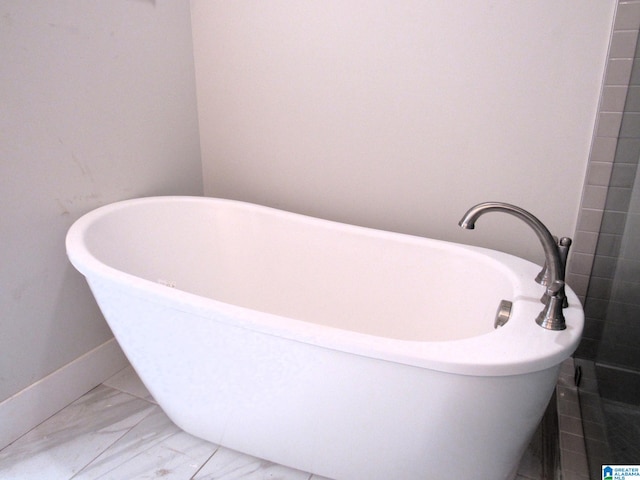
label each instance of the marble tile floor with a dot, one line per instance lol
(623, 431)
(116, 431)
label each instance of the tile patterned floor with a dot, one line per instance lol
(573, 453)
(116, 431)
(611, 429)
(623, 431)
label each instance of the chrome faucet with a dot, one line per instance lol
(551, 316)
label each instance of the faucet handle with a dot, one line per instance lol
(563, 249)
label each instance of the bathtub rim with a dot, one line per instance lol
(519, 347)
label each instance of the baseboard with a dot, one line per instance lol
(31, 406)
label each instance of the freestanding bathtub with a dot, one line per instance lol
(352, 353)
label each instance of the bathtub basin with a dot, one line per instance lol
(344, 351)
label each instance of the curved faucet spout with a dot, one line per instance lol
(551, 317)
(469, 219)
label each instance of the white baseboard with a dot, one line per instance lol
(31, 406)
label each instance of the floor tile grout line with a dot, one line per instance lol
(117, 439)
(204, 463)
(56, 413)
(217, 447)
(46, 419)
(142, 452)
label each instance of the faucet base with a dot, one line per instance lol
(550, 323)
(551, 316)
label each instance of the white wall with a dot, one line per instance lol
(98, 104)
(402, 114)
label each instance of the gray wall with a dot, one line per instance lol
(98, 104)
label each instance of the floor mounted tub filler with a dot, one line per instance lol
(353, 353)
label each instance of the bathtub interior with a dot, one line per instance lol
(306, 269)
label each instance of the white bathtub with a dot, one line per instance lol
(352, 353)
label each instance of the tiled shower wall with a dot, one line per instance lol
(618, 356)
(608, 192)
